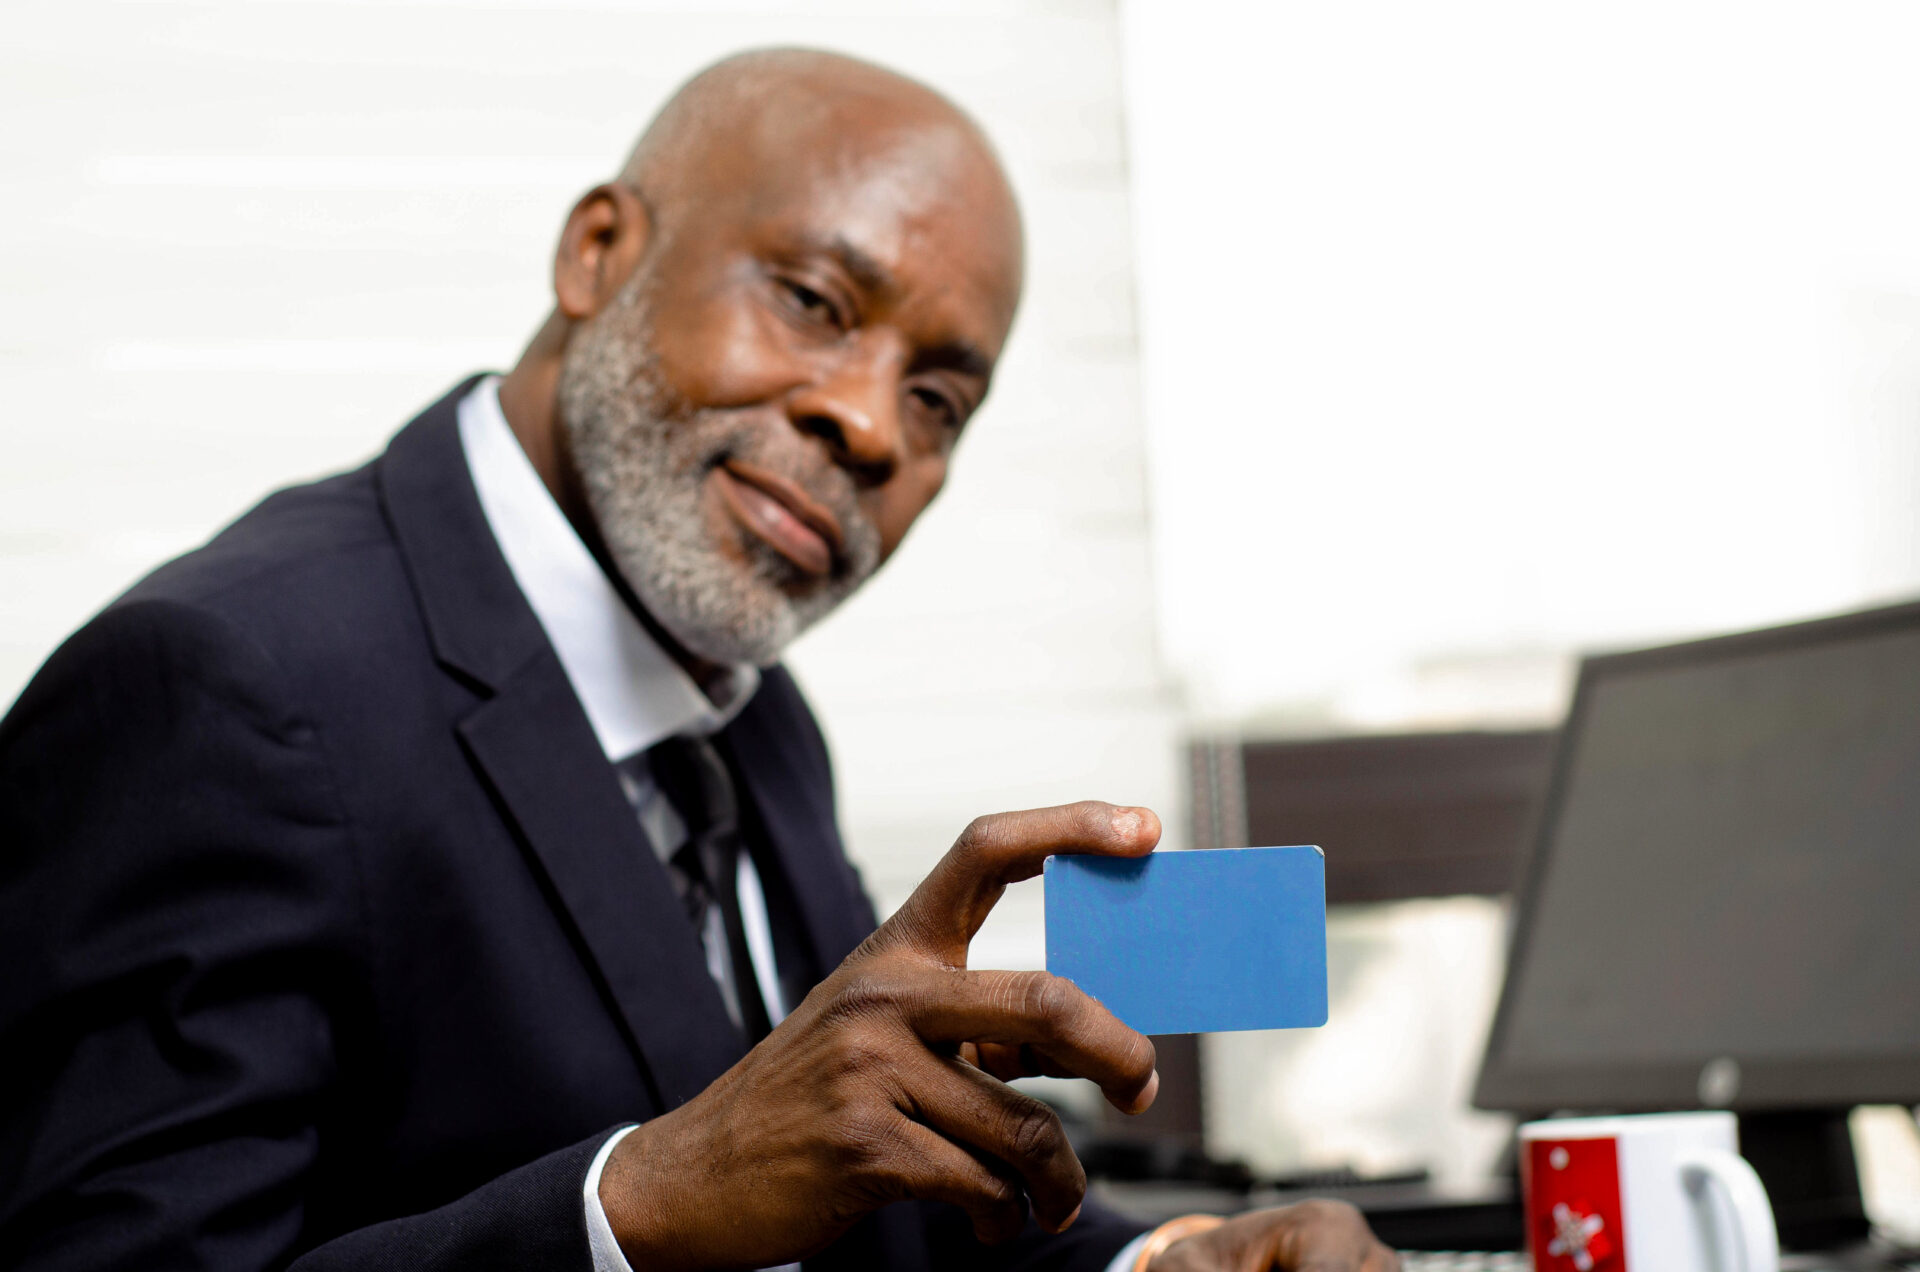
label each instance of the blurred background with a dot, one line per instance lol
(1377, 359)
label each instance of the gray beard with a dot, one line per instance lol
(642, 465)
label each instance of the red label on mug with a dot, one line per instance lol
(1573, 1205)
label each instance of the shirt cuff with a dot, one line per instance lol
(1121, 1261)
(600, 1242)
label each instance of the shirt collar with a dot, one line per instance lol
(634, 693)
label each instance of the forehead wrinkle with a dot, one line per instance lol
(782, 143)
(924, 180)
(854, 148)
(890, 225)
(979, 280)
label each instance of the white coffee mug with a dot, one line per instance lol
(1660, 1192)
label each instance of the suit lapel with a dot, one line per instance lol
(540, 756)
(532, 743)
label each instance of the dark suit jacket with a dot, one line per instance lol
(326, 930)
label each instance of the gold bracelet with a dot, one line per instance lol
(1169, 1232)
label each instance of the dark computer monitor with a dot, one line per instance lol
(1722, 902)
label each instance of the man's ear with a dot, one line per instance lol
(605, 236)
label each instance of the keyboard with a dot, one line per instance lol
(1518, 1261)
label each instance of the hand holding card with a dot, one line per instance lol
(1194, 942)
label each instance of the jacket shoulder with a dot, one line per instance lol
(304, 529)
(312, 574)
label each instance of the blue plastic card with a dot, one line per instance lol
(1194, 942)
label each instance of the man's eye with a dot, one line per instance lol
(813, 304)
(939, 405)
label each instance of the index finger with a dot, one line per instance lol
(951, 903)
(1064, 1026)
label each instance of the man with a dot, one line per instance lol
(438, 870)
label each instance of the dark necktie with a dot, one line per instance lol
(692, 774)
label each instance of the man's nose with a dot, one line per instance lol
(856, 412)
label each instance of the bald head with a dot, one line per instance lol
(773, 109)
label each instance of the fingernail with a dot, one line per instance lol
(1068, 1221)
(1145, 1100)
(1127, 821)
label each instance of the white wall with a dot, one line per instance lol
(1493, 330)
(245, 239)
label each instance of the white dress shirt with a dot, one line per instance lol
(634, 694)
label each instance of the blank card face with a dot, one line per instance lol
(1194, 942)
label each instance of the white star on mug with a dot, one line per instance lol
(1575, 1231)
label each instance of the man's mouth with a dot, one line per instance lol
(782, 515)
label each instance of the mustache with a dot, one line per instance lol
(782, 451)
